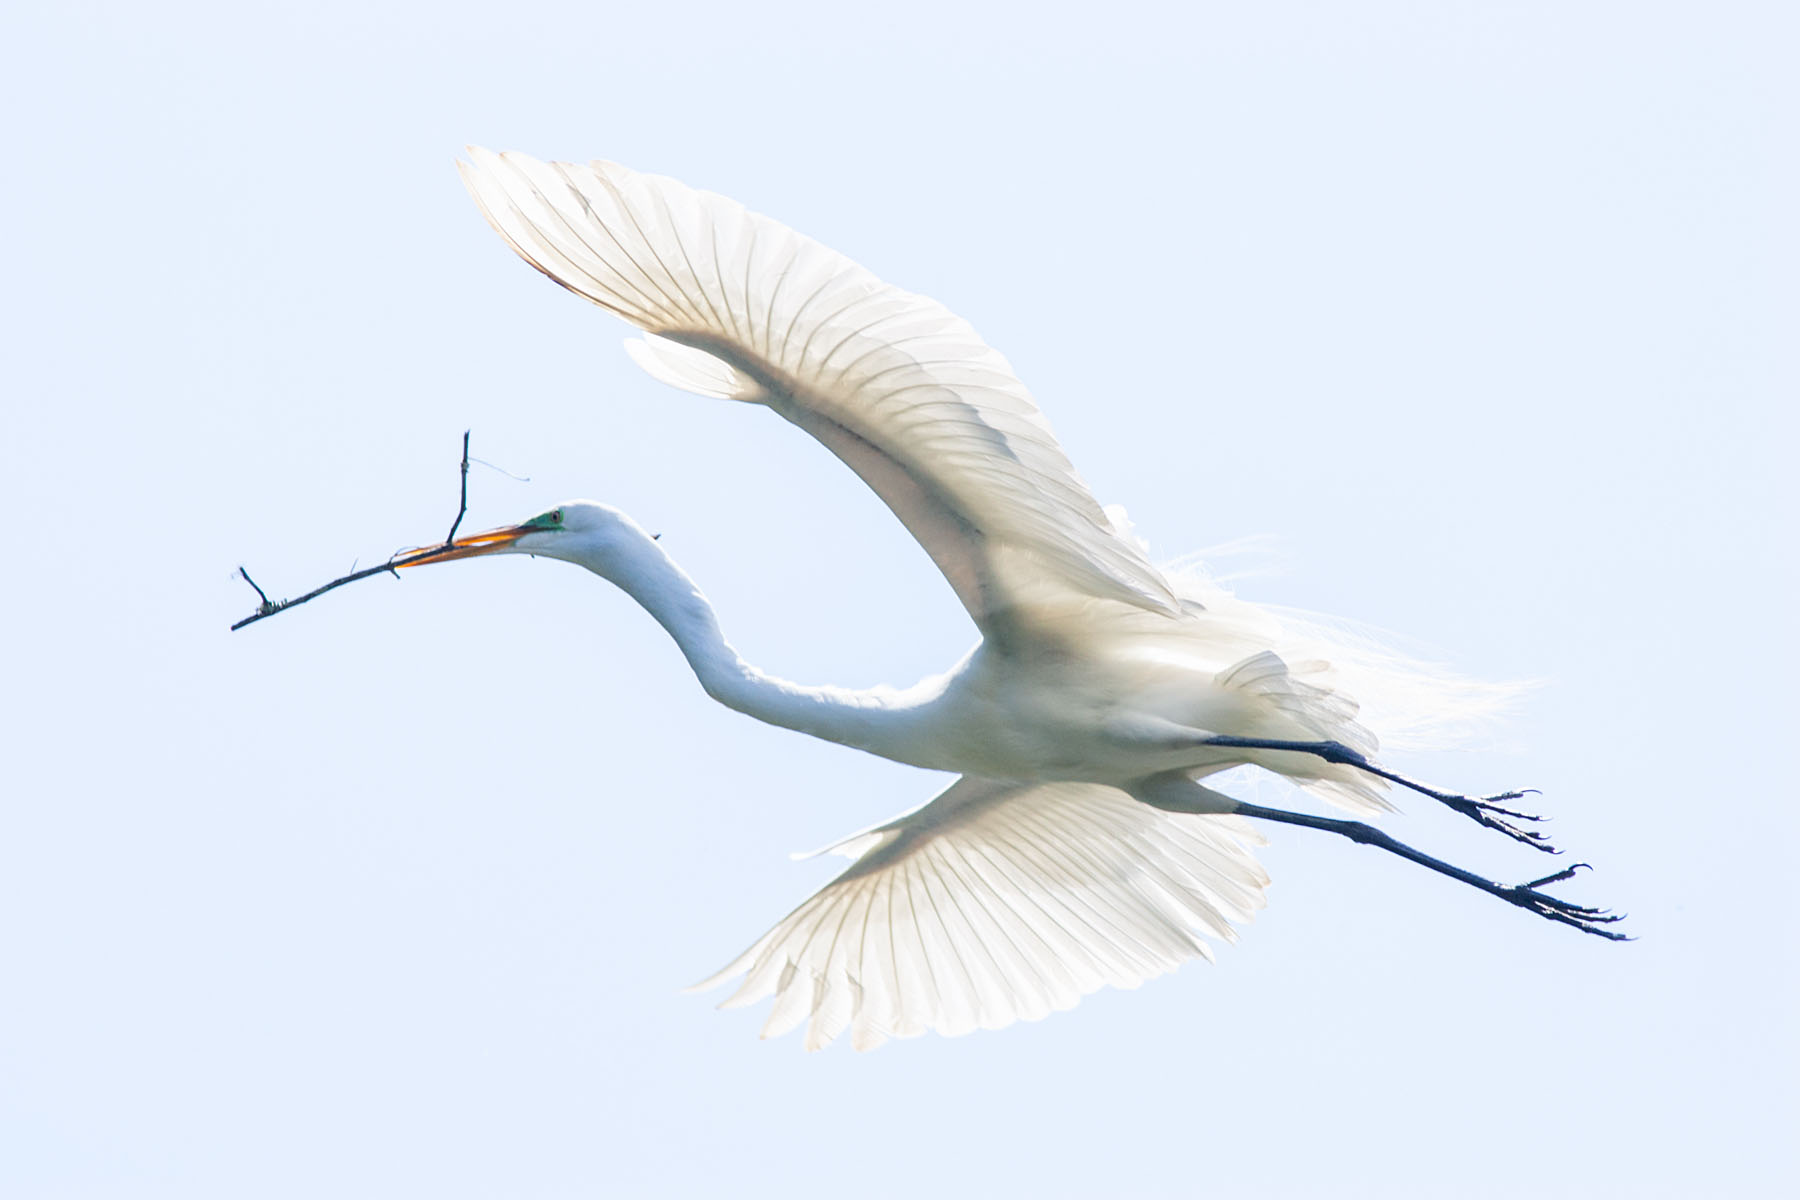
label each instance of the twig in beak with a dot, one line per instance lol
(269, 608)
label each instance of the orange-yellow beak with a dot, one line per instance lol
(470, 547)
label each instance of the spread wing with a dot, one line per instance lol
(899, 388)
(998, 902)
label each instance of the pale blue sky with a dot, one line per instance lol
(1485, 312)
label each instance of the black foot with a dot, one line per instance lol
(1491, 812)
(1588, 920)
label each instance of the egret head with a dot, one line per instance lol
(577, 531)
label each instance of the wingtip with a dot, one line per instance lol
(471, 168)
(480, 158)
(723, 975)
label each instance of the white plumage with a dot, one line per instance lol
(1078, 848)
(998, 902)
(894, 384)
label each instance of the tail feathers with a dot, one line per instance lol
(1329, 715)
(1410, 703)
(1313, 713)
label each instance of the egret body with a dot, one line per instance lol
(1079, 846)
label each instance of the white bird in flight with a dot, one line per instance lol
(1080, 846)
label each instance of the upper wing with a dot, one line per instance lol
(999, 901)
(895, 385)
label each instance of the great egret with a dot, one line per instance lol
(1079, 847)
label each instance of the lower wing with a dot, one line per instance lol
(997, 902)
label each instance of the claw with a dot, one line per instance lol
(1490, 815)
(1579, 916)
(1491, 812)
(1492, 804)
(1566, 873)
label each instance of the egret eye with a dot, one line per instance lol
(556, 516)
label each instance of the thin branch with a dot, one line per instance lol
(462, 508)
(269, 608)
(261, 595)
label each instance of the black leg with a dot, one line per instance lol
(1490, 811)
(1525, 895)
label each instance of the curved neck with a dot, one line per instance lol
(877, 720)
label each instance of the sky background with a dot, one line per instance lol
(1483, 314)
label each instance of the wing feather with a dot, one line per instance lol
(900, 389)
(999, 902)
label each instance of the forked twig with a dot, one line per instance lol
(269, 608)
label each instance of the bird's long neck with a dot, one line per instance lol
(879, 721)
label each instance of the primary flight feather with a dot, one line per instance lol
(1079, 846)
